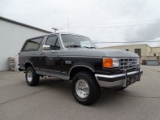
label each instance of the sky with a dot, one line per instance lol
(100, 20)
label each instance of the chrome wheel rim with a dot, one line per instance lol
(82, 88)
(29, 76)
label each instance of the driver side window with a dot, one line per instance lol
(53, 42)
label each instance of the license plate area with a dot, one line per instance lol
(130, 79)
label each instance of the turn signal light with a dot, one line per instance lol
(108, 62)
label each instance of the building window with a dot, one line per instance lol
(154, 54)
(127, 49)
(138, 51)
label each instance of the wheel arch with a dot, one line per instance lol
(27, 64)
(78, 68)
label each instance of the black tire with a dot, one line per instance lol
(93, 92)
(122, 88)
(32, 78)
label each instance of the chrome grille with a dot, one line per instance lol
(128, 63)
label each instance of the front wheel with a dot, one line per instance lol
(32, 78)
(85, 88)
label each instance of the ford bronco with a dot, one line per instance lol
(75, 57)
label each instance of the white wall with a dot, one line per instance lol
(12, 37)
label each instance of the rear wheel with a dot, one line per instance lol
(85, 88)
(32, 78)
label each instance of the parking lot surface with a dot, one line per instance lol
(53, 100)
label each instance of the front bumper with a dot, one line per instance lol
(118, 80)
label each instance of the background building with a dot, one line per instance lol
(12, 36)
(150, 55)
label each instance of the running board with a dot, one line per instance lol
(57, 75)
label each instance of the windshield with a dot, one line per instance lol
(73, 41)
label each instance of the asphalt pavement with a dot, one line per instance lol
(53, 100)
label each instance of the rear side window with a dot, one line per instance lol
(32, 45)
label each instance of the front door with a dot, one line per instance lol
(50, 60)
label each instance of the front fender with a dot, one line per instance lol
(81, 64)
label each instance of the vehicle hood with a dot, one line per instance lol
(96, 52)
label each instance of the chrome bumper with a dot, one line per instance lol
(118, 80)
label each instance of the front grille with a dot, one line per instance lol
(128, 63)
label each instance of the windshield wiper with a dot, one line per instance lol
(73, 46)
(77, 46)
(89, 47)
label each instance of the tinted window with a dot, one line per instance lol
(33, 44)
(53, 42)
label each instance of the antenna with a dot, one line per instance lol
(55, 29)
(68, 23)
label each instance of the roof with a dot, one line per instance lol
(156, 47)
(66, 33)
(24, 25)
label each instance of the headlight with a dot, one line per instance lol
(115, 62)
(110, 62)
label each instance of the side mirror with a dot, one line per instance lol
(46, 47)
